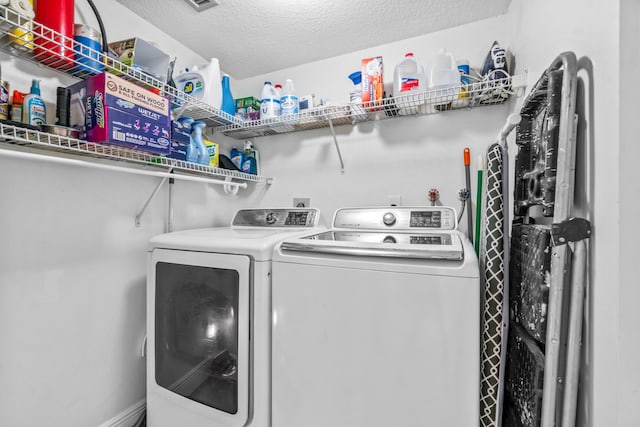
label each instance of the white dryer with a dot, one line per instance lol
(209, 320)
(376, 323)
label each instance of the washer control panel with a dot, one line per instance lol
(294, 218)
(432, 218)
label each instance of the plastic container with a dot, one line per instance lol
(408, 76)
(236, 157)
(228, 104)
(193, 151)
(355, 94)
(56, 15)
(34, 110)
(289, 103)
(22, 36)
(203, 82)
(4, 99)
(443, 71)
(269, 102)
(198, 139)
(444, 78)
(88, 49)
(16, 106)
(250, 159)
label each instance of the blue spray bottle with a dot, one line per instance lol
(192, 149)
(198, 139)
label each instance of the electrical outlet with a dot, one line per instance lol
(394, 200)
(301, 202)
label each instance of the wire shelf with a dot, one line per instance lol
(27, 39)
(26, 137)
(481, 93)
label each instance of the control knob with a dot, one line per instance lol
(389, 219)
(271, 218)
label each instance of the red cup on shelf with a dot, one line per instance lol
(53, 38)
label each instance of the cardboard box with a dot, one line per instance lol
(214, 153)
(247, 102)
(113, 110)
(372, 84)
(143, 56)
(180, 140)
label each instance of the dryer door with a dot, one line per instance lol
(198, 326)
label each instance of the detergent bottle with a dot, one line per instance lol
(237, 157)
(443, 71)
(444, 77)
(250, 159)
(202, 82)
(198, 138)
(269, 102)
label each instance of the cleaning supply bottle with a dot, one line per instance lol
(228, 104)
(203, 82)
(443, 71)
(193, 151)
(355, 95)
(237, 157)
(269, 102)
(250, 162)
(198, 138)
(408, 76)
(34, 110)
(16, 106)
(289, 103)
(444, 77)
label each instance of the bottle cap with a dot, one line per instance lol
(35, 87)
(408, 54)
(356, 77)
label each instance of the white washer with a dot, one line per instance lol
(377, 323)
(209, 320)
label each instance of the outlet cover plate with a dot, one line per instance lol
(302, 202)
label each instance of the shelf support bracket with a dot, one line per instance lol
(153, 194)
(335, 141)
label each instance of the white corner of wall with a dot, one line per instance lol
(128, 417)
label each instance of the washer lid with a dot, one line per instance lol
(253, 232)
(419, 245)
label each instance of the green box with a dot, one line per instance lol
(243, 103)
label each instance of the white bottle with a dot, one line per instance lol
(289, 101)
(202, 82)
(269, 102)
(443, 71)
(444, 78)
(408, 76)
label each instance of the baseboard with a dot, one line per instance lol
(128, 417)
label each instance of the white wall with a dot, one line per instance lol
(72, 265)
(405, 156)
(629, 315)
(539, 31)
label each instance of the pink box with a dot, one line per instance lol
(113, 110)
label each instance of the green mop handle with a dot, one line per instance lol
(478, 206)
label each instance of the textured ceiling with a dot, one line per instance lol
(253, 37)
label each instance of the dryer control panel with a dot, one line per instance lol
(432, 218)
(278, 217)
